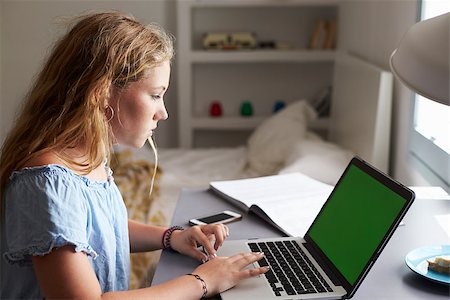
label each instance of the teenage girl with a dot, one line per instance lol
(65, 231)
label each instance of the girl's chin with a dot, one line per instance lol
(134, 144)
(136, 141)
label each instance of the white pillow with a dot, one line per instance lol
(272, 141)
(318, 159)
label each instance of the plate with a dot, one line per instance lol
(416, 260)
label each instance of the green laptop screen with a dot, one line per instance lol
(354, 221)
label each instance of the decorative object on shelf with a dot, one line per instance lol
(229, 41)
(246, 109)
(279, 105)
(266, 44)
(215, 40)
(215, 109)
(243, 40)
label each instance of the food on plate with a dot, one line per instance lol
(440, 264)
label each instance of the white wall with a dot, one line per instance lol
(28, 28)
(372, 29)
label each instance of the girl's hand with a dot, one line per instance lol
(187, 241)
(222, 273)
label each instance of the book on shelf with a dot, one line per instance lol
(318, 34)
(330, 37)
(323, 35)
(289, 202)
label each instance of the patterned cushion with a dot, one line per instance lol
(133, 178)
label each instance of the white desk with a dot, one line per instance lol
(389, 278)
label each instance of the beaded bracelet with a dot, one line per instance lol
(205, 290)
(167, 235)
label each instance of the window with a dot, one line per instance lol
(430, 137)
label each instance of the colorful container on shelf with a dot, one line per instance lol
(279, 105)
(215, 109)
(246, 109)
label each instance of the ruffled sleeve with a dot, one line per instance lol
(44, 210)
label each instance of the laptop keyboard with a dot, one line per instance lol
(291, 272)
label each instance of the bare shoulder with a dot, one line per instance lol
(43, 159)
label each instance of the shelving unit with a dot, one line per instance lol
(232, 76)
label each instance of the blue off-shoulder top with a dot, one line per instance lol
(50, 206)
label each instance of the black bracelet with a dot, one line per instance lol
(205, 290)
(167, 235)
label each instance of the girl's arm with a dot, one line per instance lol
(66, 274)
(144, 237)
(147, 238)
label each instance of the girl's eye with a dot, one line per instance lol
(156, 97)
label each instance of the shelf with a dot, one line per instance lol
(201, 56)
(243, 123)
(227, 123)
(259, 3)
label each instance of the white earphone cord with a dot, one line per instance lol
(152, 144)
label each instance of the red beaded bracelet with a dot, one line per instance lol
(167, 235)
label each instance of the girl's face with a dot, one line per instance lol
(139, 107)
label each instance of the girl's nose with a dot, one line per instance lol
(162, 113)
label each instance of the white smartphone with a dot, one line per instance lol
(222, 217)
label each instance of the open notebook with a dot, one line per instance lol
(290, 202)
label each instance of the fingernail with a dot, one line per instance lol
(205, 258)
(212, 256)
(266, 268)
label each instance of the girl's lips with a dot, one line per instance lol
(151, 131)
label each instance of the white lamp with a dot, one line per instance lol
(422, 59)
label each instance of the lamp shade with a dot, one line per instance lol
(421, 60)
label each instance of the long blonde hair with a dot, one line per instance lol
(66, 106)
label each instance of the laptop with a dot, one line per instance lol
(339, 248)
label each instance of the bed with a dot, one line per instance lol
(359, 124)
